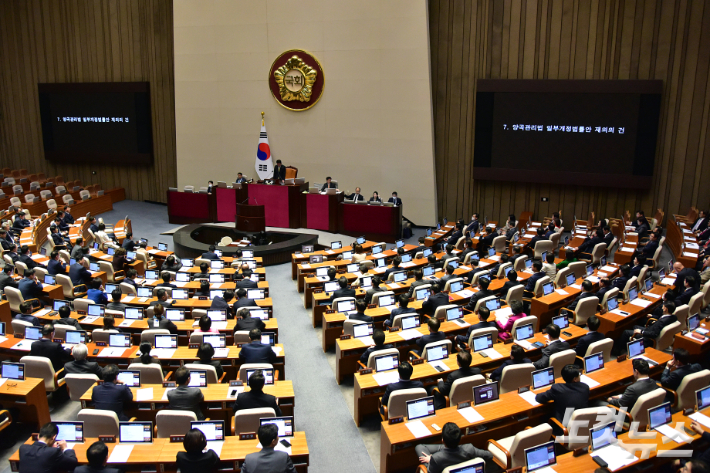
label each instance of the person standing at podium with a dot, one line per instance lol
(328, 184)
(279, 171)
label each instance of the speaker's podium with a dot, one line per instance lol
(250, 218)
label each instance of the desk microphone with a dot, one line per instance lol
(247, 200)
(256, 201)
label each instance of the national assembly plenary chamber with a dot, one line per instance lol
(354, 236)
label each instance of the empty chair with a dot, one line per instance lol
(14, 297)
(68, 199)
(509, 452)
(602, 346)
(515, 376)
(499, 244)
(462, 389)
(60, 190)
(666, 337)
(694, 304)
(101, 335)
(111, 275)
(98, 422)
(247, 420)
(15, 202)
(82, 304)
(17, 189)
(19, 326)
(40, 367)
(78, 384)
(46, 195)
(240, 337)
(585, 309)
(127, 288)
(170, 422)
(30, 198)
(682, 312)
(373, 356)
(85, 195)
(397, 403)
(60, 330)
(150, 373)
(69, 289)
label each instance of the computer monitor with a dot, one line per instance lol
(179, 294)
(259, 313)
(594, 362)
(491, 251)
(74, 337)
(590, 270)
(212, 429)
(2, 328)
(93, 267)
(33, 333)
(636, 348)
(352, 268)
(429, 232)
(418, 408)
(331, 286)
(693, 322)
(648, 284)
(162, 247)
(13, 370)
(347, 255)
(187, 262)
(454, 313)
(399, 243)
(361, 240)
(198, 379)
(602, 261)
(217, 340)
(110, 251)
(251, 263)
(543, 377)
(285, 424)
(633, 294)
(217, 315)
(109, 288)
(541, 456)
(659, 415)
(314, 259)
(267, 372)
(427, 252)
(453, 264)
(267, 338)
(561, 321)
(365, 281)
(428, 270)
(702, 398)
(70, 432)
(411, 321)
(523, 332)
(528, 263)
(399, 276)
(151, 274)
(247, 253)
(603, 435)
(95, 310)
(456, 286)
(611, 304)
(130, 378)
(49, 279)
(547, 289)
(544, 256)
(377, 249)
(216, 264)
(437, 352)
(165, 341)
(119, 340)
(386, 362)
(145, 292)
(406, 258)
(482, 342)
(485, 393)
(507, 270)
(135, 432)
(56, 305)
(570, 278)
(336, 245)
(133, 313)
(176, 315)
(256, 294)
(305, 249)
(493, 304)
(386, 300)
(661, 273)
(381, 263)
(217, 278)
(214, 293)
(362, 330)
(421, 294)
(475, 468)
(345, 306)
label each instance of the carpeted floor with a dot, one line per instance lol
(323, 409)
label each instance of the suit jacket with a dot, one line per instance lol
(564, 395)
(218, 303)
(250, 323)
(247, 284)
(240, 180)
(532, 280)
(672, 379)
(69, 321)
(620, 282)
(268, 460)
(700, 224)
(395, 200)
(79, 274)
(164, 324)
(209, 255)
(7, 281)
(401, 384)
(361, 317)
(41, 458)
(366, 356)
(52, 350)
(680, 279)
(328, 186)
(56, 267)
(30, 289)
(586, 340)
(608, 238)
(415, 284)
(477, 297)
(480, 325)
(589, 244)
(112, 397)
(399, 311)
(243, 302)
(356, 197)
(473, 226)
(196, 462)
(445, 386)
(654, 330)
(116, 306)
(105, 469)
(256, 352)
(128, 244)
(430, 338)
(119, 263)
(633, 392)
(58, 240)
(508, 286)
(446, 457)
(83, 367)
(279, 172)
(636, 270)
(600, 293)
(649, 249)
(548, 351)
(435, 300)
(97, 295)
(186, 398)
(370, 292)
(685, 296)
(254, 400)
(76, 253)
(486, 242)
(68, 218)
(580, 296)
(498, 372)
(455, 237)
(342, 293)
(28, 318)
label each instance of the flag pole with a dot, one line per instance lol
(262, 118)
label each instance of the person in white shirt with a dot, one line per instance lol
(549, 267)
(103, 239)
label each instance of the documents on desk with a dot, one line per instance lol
(394, 285)
(525, 344)
(607, 268)
(145, 394)
(668, 281)
(675, 435)
(471, 415)
(410, 334)
(620, 312)
(217, 447)
(367, 341)
(700, 419)
(90, 319)
(577, 286)
(42, 312)
(387, 377)
(465, 293)
(650, 294)
(503, 314)
(439, 364)
(418, 429)
(615, 457)
(561, 292)
(492, 353)
(3, 339)
(588, 381)
(530, 397)
(224, 352)
(120, 454)
(164, 352)
(112, 351)
(126, 323)
(641, 302)
(24, 345)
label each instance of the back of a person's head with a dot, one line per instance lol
(682, 355)
(641, 366)
(593, 323)
(165, 276)
(433, 324)
(79, 352)
(97, 454)
(205, 352)
(550, 258)
(517, 352)
(109, 321)
(376, 281)
(587, 285)
(698, 466)
(436, 288)
(553, 331)
(48, 430)
(241, 292)
(537, 265)
(205, 323)
(116, 295)
(405, 370)
(47, 330)
(64, 312)
(267, 433)
(378, 336)
(228, 295)
(512, 275)
(449, 269)
(483, 283)
(464, 359)
(569, 373)
(182, 376)
(451, 435)
(158, 311)
(255, 334)
(110, 373)
(343, 282)
(670, 306)
(403, 300)
(516, 306)
(418, 274)
(360, 305)
(483, 313)
(257, 380)
(194, 441)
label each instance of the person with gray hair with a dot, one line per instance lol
(80, 365)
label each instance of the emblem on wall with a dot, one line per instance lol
(296, 80)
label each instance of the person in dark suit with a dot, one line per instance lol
(589, 243)
(376, 281)
(395, 199)
(639, 263)
(483, 292)
(360, 307)
(240, 179)
(474, 225)
(532, 280)
(247, 322)
(554, 345)
(256, 397)
(328, 184)
(92, 224)
(80, 365)
(21, 222)
(418, 281)
(224, 302)
(112, 394)
(483, 315)
(701, 223)
(204, 357)
(487, 240)
(57, 237)
(587, 289)
(448, 276)
(46, 455)
(116, 303)
(96, 292)
(47, 348)
(210, 187)
(204, 272)
(194, 459)
(621, 281)
(592, 336)
(66, 319)
(649, 248)
(438, 457)
(163, 299)
(210, 254)
(375, 197)
(55, 265)
(119, 261)
(512, 282)
(437, 264)
(255, 351)
(648, 333)
(402, 309)
(681, 273)
(356, 196)
(608, 236)
(463, 360)
(243, 301)
(604, 287)
(572, 394)
(268, 459)
(539, 236)
(343, 291)
(12, 254)
(6, 279)
(97, 456)
(396, 261)
(243, 281)
(518, 253)
(184, 397)
(458, 233)
(131, 277)
(27, 259)
(436, 299)
(378, 337)
(279, 171)
(78, 251)
(688, 292)
(434, 335)
(78, 272)
(405, 371)
(26, 314)
(5, 241)
(517, 357)
(162, 321)
(642, 385)
(128, 244)
(678, 368)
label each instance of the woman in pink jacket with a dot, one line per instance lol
(504, 330)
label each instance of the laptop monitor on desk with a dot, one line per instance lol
(135, 432)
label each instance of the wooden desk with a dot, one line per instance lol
(301, 258)
(29, 397)
(697, 348)
(612, 324)
(507, 416)
(320, 211)
(229, 272)
(680, 238)
(437, 237)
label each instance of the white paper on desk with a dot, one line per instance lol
(692, 246)
(650, 361)
(394, 285)
(90, 319)
(494, 258)
(379, 270)
(2, 381)
(470, 414)
(112, 351)
(410, 334)
(608, 269)
(219, 325)
(24, 345)
(42, 312)
(330, 252)
(440, 364)
(671, 433)
(407, 265)
(668, 281)
(221, 352)
(306, 266)
(689, 232)
(504, 312)
(465, 268)
(615, 457)
(143, 299)
(37, 256)
(530, 397)
(165, 394)
(127, 299)
(3, 339)
(366, 341)
(387, 377)
(626, 249)
(525, 344)
(492, 353)
(696, 416)
(529, 235)
(650, 294)
(690, 255)
(162, 352)
(216, 446)
(577, 286)
(461, 323)
(145, 394)
(601, 274)
(592, 279)
(620, 312)
(561, 292)
(418, 429)
(641, 302)
(180, 283)
(588, 381)
(465, 294)
(120, 454)
(126, 323)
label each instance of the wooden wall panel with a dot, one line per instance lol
(87, 41)
(572, 39)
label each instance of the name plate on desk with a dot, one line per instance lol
(330, 311)
(395, 329)
(100, 344)
(202, 298)
(523, 389)
(365, 371)
(177, 438)
(194, 345)
(317, 291)
(247, 436)
(346, 337)
(169, 384)
(508, 341)
(620, 358)
(371, 306)
(57, 340)
(578, 452)
(396, 420)
(417, 361)
(107, 438)
(236, 383)
(463, 405)
(687, 412)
